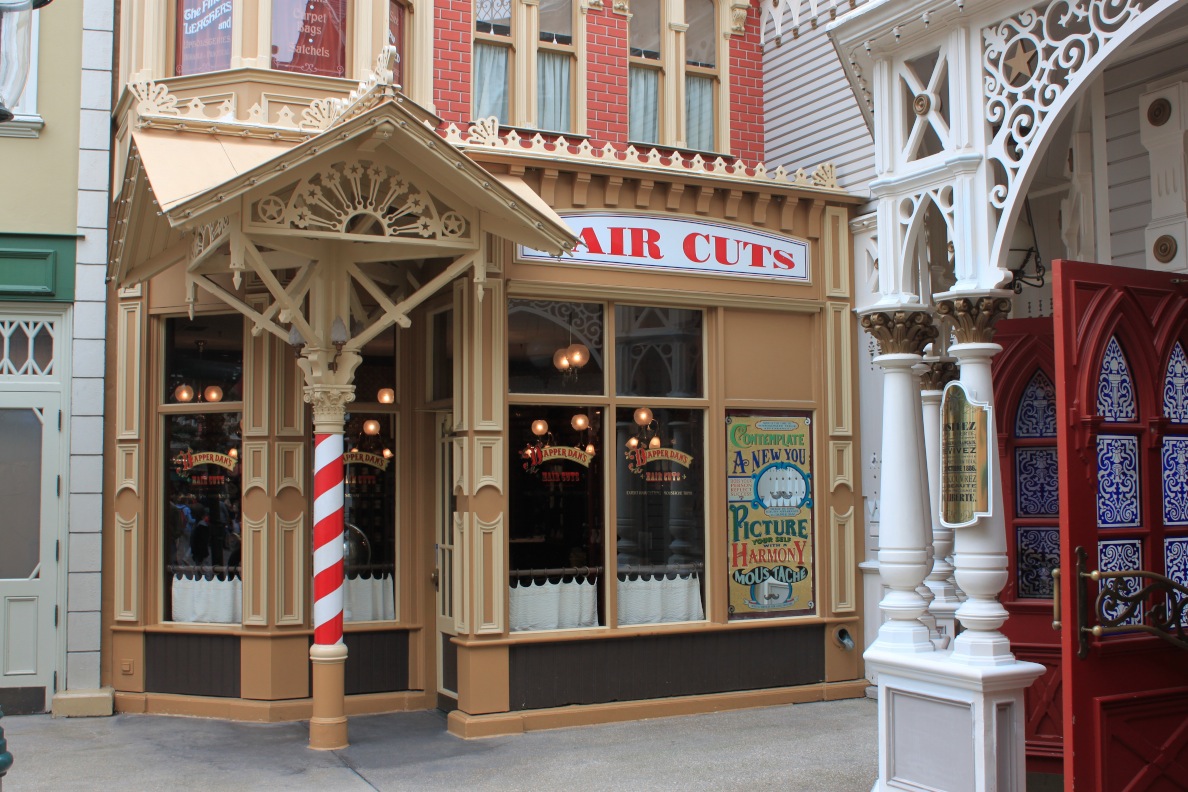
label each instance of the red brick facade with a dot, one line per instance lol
(606, 47)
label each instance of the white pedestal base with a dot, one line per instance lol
(944, 725)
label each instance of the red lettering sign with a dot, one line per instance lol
(309, 36)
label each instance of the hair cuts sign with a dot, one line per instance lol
(769, 496)
(682, 244)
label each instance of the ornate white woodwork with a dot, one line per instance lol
(1162, 122)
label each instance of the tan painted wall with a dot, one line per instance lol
(41, 174)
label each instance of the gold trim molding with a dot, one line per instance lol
(974, 317)
(900, 332)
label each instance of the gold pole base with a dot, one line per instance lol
(328, 726)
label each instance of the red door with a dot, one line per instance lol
(1025, 395)
(1122, 403)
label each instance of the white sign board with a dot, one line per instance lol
(681, 244)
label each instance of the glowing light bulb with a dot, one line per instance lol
(388, 453)
(590, 449)
(578, 354)
(643, 416)
(560, 360)
(386, 396)
(580, 422)
(371, 427)
(654, 442)
(633, 443)
(540, 428)
(233, 453)
(183, 393)
(213, 393)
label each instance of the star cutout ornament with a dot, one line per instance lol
(1018, 64)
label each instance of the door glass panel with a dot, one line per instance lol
(1175, 557)
(1118, 555)
(1037, 408)
(369, 539)
(1175, 480)
(1117, 481)
(1038, 553)
(1175, 387)
(1037, 487)
(1115, 386)
(20, 492)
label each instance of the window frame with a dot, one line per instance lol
(610, 402)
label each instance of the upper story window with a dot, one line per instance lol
(535, 86)
(661, 78)
(309, 36)
(203, 36)
(492, 58)
(396, 14)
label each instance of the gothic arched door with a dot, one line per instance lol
(1025, 395)
(1122, 404)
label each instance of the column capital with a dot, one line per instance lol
(973, 315)
(329, 406)
(936, 373)
(900, 331)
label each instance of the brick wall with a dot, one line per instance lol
(606, 45)
(746, 92)
(452, 34)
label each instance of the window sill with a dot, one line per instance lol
(23, 126)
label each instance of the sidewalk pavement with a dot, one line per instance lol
(823, 746)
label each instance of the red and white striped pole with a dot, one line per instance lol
(327, 539)
(328, 725)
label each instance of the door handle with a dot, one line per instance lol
(435, 578)
(1056, 598)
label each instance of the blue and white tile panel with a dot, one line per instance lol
(1036, 416)
(1175, 387)
(1116, 555)
(1115, 386)
(1037, 483)
(1037, 553)
(1117, 481)
(1175, 559)
(1174, 460)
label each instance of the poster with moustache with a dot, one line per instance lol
(770, 529)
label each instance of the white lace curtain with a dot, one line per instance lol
(203, 600)
(699, 112)
(367, 598)
(552, 95)
(490, 81)
(554, 606)
(655, 599)
(643, 104)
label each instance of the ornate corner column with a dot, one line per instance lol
(329, 388)
(979, 551)
(938, 371)
(903, 541)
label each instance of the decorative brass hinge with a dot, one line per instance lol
(1130, 600)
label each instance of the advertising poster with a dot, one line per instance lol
(203, 36)
(965, 458)
(770, 531)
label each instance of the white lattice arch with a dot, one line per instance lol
(913, 213)
(1010, 199)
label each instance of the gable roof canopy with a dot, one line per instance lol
(383, 183)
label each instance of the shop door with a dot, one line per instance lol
(1025, 393)
(445, 577)
(29, 517)
(1122, 402)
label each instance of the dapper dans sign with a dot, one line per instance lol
(537, 455)
(682, 244)
(364, 458)
(769, 494)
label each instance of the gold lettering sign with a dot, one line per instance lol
(965, 458)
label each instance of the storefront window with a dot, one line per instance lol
(309, 36)
(369, 541)
(396, 36)
(203, 42)
(201, 438)
(559, 563)
(555, 347)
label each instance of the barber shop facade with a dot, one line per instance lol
(595, 397)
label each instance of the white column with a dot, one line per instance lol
(945, 601)
(979, 550)
(903, 555)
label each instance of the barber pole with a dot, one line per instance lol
(327, 537)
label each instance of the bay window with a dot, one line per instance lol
(203, 40)
(201, 418)
(592, 452)
(309, 36)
